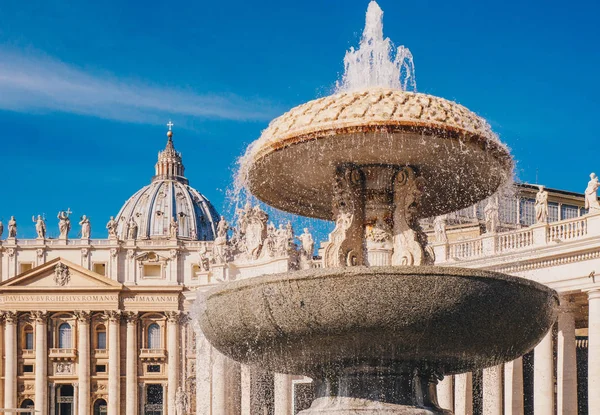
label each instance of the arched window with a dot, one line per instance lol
(100, 407)
(101, 337)
(153, 336)
(27, 403)
(28, 337)
(64, 336)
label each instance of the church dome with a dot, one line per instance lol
(168, 196)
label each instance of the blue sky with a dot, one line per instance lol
(86, 87)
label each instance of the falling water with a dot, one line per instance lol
(373, 64)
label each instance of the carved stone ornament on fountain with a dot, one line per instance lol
(345, 246)
(409, 239)
(364, 196)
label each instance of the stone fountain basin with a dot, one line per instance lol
(311, 322)
(293, 164)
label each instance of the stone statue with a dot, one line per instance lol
(64, 223)
(112, 227)
(12, 227)
(86, 227)
(307, 244)
(253, 229)
(271, 240)
(181, 402)
(40, 226)
(1, 229)
(591, 196)
(541, 205)
(439, 227)
(132, 228)
(491, 215)
(174, 227)
(220, 244)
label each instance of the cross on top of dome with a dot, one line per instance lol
(170, 164)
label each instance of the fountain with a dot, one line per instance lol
(379, 325)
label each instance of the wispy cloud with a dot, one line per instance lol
(39, 83)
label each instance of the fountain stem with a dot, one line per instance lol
(376, 222)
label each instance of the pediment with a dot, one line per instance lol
(60, 274)
(151, 257)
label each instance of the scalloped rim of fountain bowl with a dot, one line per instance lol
(304, 135)
(348, 272)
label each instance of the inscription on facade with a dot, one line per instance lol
(57, 298)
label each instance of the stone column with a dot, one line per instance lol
(492, 390)
(566, 371)
(594, 353)
(543, 377)
(41, 363)
(203, 374)
(219, 384)
(283, 394)
(463, 394)
(114, 400)
(513, 387)
(10, 368)
(173, 318)
(445, 392)
(83, 361)
(131, 383)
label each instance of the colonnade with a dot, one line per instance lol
(456, 391)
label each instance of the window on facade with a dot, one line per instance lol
(28, 332)
(100, 368)
(100, 407)
(569, 212)
(552, 212)
(152, 271)
(101, 337)
(153, 369)
(99, 268)
(25, 266)
(527, 207)
(154, 400)
(27, 368)
(27, 404)
(64, 336)
(153, 336)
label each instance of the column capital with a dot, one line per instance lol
(83, 316)
(10, 317)
(173, 316)
(112, 315)
(594, 294)
(39, 316)
(132, 317)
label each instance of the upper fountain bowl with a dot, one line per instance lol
(292, 165)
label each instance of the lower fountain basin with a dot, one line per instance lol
(321, 322)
